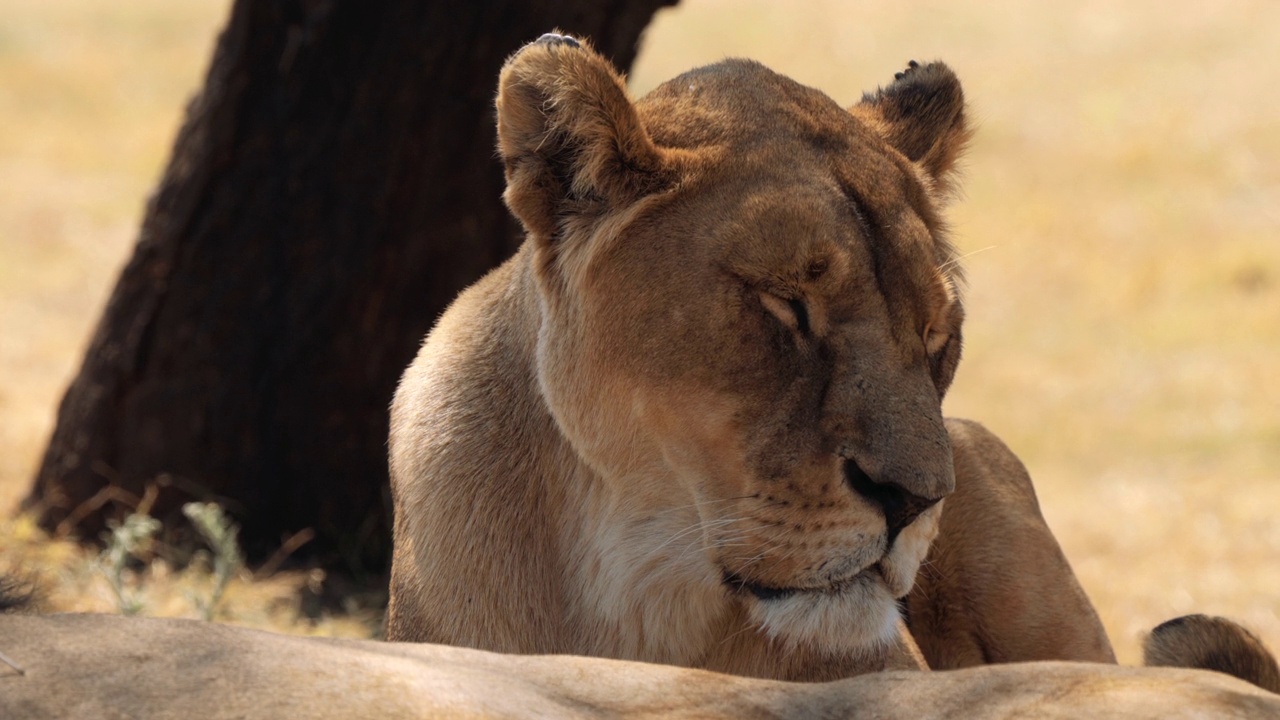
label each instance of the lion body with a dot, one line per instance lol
(99, 666)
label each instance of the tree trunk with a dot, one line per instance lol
(333, 188)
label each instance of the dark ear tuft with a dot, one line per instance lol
(922, 115)
(569, 136)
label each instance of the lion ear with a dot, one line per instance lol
(570, 139)
(922, 115)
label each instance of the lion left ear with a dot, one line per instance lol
(570, 138)
(921, 114)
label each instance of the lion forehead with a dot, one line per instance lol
(743, 103)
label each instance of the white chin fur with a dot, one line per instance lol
(860, 619)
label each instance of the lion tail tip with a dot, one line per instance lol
(1212, 643)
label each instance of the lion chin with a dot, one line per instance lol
(862, 609)
(855, 615)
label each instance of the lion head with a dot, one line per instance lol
(738, 312)
(748, 289)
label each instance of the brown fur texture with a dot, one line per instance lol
(105, 666)
(697, 418)
(1212, 643)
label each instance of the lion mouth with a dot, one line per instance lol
(765, 593)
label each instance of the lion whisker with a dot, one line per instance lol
(745, 628)
(731, 540)
(955, 261)
(700, 525)
(700, 503)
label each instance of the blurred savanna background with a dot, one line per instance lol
(1120, 221)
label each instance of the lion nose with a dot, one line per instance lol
(899, 505)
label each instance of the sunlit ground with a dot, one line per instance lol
(1121, 216)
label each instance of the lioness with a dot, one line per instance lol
(696, 419)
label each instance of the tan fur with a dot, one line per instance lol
(996, 586)
(659, 432)
(103, 666)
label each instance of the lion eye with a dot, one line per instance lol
(791, 311)
(934, 340)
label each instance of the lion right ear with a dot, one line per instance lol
(921, 114)
(570, 139)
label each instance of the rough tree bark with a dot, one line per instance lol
(333, 187)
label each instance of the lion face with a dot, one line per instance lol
(750, 318)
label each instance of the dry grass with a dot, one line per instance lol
(91, 95)
(1124, 331)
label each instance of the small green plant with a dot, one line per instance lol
(125, 540)
(220, 533)
(133, 538)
